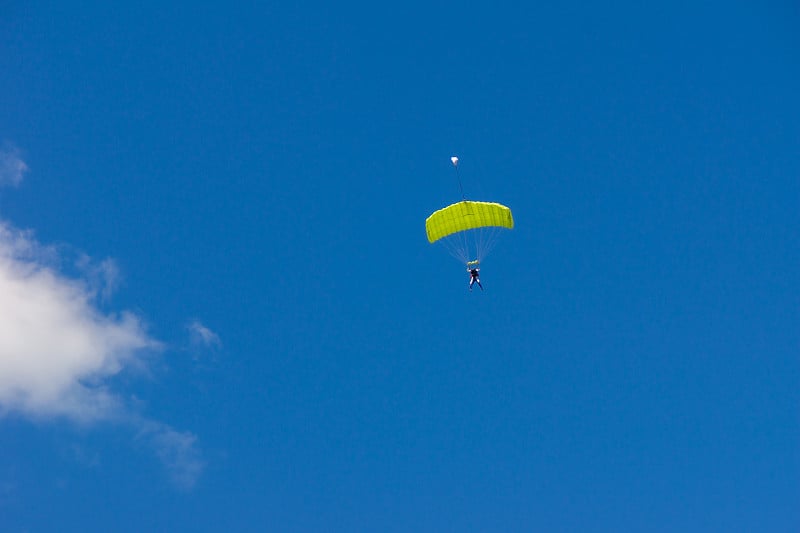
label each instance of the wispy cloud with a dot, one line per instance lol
(103, 277)
(202, 336)
(59, 351)
(177, 451)
(12, 167)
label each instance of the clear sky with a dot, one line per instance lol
(219, 310)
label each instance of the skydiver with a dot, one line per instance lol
(473, 272)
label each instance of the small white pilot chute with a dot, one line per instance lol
(454, 160)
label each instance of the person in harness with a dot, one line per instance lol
(473, 273)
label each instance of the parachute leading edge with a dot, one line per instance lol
(467, 215)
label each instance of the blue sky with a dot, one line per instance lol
(219, 310)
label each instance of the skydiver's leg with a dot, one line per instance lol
(479, 284)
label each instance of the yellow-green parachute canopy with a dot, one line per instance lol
(467, 215)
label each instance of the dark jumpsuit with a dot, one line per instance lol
(474, 277)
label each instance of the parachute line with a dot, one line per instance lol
(458, 177)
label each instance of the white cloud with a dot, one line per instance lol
(202, 336)
(12, 167)
(59, 351)
(56, 348)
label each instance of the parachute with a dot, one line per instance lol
(467, 215)
(468, 229)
